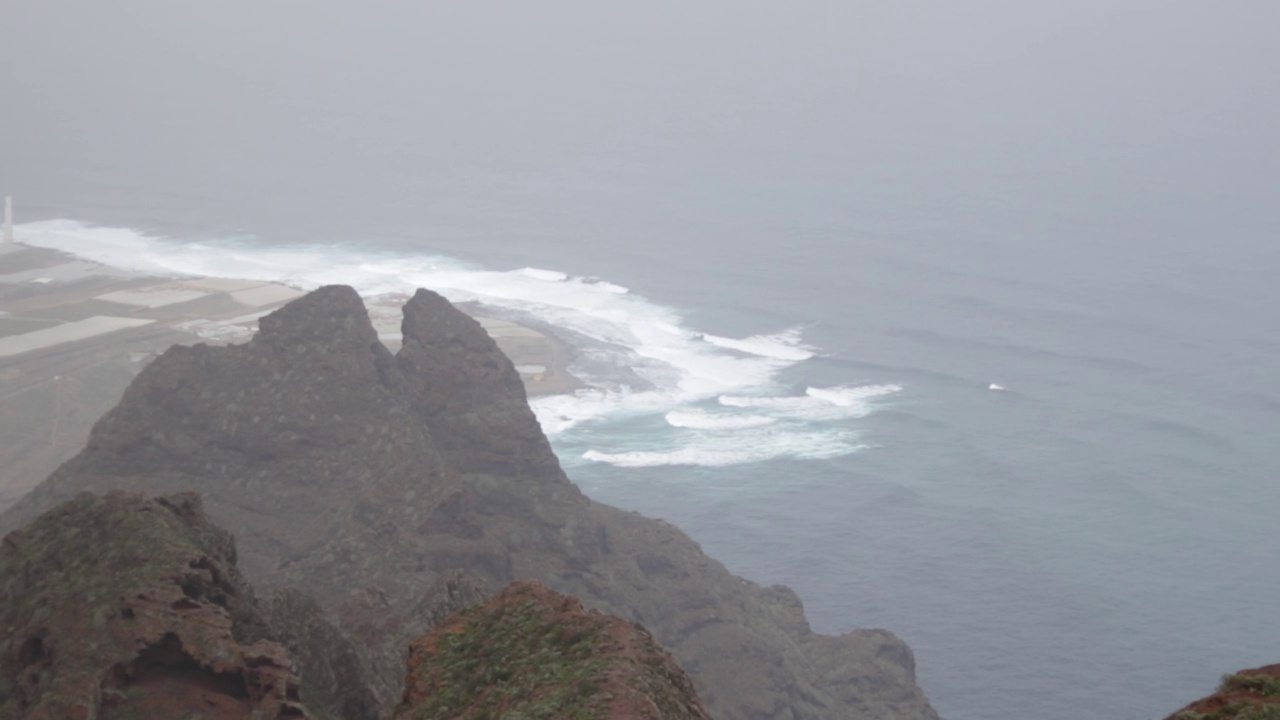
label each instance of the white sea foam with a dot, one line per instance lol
(548, 275)
(703, 420)
(610, 287)
(681, 366)
(785, 345)
(757, 445)
(817, 404)
(850, 396)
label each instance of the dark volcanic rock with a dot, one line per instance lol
(1247, 695)
(335, 674)
(366, 480)
(122, 607)
(281, 437)
(531, 652)
(469, 394)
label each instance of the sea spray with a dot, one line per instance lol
(721, 399)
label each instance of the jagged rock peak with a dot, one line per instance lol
(441, 338)
(333, 315)
(469, 394)
(367, 479)
(532, 652)
(120, 606)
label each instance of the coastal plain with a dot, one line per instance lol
(74, 333)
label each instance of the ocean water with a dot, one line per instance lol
(1059, 491)
(960, 319)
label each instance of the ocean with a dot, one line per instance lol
(988, 362)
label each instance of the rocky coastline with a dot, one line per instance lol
(74, 333)
(384, 480)
(365, 481)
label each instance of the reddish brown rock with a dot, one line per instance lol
(1247, 695)
(532, 652)
(122, 607)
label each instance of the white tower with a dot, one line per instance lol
(8, 219)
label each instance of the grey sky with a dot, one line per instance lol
(157, 92)
(1116, 157)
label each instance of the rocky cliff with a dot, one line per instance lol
(372, 481)
(120, 607)
(533, 653)
(1247, 695)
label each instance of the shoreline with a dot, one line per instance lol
(74, 333)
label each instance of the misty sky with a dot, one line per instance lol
(276, 108)
(524, 78)
(1118, 142)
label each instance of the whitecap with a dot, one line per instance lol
(849, 396)
(702, 420)
(645, 360)
(720, 450)
(610, 287)
(817, 404)
(540, 274)
(785, 345)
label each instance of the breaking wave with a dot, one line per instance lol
(717, 395)
(738, 448)
(833, 403)
(785, 345)
(703, 420)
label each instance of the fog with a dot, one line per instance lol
(1077, 200)
(304, 101)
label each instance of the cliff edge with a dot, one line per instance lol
(121, 607)
(367, 479)
(531, 652)
(1246, 695)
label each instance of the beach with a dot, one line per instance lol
(74, 333)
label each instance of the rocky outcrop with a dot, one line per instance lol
(336, 675)
(122, 607)
(1247, 695)
(287, 438)
(368, 479)
(469, 394)
(531, 652)
(360, 681)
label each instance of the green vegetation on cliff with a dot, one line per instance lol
(121, 606)
(533, 654)
(516, 661)
(1247, 695)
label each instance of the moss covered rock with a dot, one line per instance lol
(1247, 695)
(123, 607)
(535, 654)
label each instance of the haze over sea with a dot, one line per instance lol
(960, 319)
